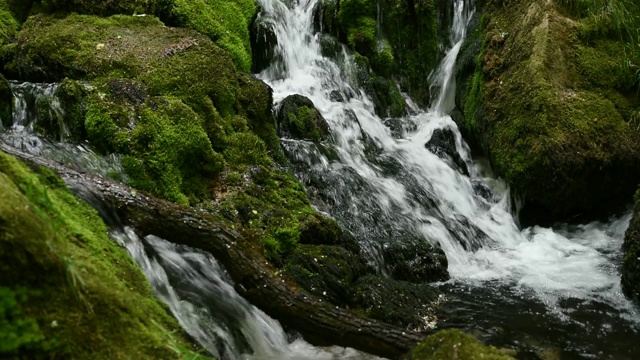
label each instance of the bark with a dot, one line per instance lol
(255, 279)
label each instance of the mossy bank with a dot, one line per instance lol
(549, 94)
(67, 290)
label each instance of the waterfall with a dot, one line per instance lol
(385, 185)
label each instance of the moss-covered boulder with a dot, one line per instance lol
(631, 262)
(6, 103)
(67, 290)
(551, 107)
(102, 8)
(454, 344)
(298, 118)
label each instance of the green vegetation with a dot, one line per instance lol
(8, 24)
(67, 290)
(454, 344)
(6, 102)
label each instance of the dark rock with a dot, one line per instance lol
(631, 247)
(6, 102)
(336, 96)
(399, 303)
(415, 261)
(326, 271)
(443, 144)
(298, 118)
(325, 17)
(263, 43)
(330, 46)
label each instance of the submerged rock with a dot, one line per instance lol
(443, 144)
(550, 107)
(298, 118)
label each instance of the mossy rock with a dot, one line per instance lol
(6, 103)
(454, 344)
(225, 21)
(631, 262)
(298, 118)
(326, 17)
(540, 105)
(67, 290)
(399, 303)
(102, 8)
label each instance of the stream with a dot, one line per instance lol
(548, 293)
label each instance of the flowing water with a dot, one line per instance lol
(542, 291)
(545, 292)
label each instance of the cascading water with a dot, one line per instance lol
(202, 298)
(385, 186)
(38, 105)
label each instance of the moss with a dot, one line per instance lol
(454, 344)
(358, 19)
(298, 118)
(102, 8)
(543, 105)
(72, 95)
(68, 289)
(8, 24)
(411, 28)
(225, 22)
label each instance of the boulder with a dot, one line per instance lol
(298, 118)
(263, 43)
(549, 105)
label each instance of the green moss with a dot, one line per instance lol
(225, 22)
(6, 102)
(8, 24)
(454, 344)
(67, 290)
(102, 8)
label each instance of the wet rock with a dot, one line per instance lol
(336, 96)
(631, 247)
(49, 118)
(454, 344)
(127, 91)
(330, 46)
(415, 261)
(326, 271)
(263, 43)
(325, 17)
(399, 303)
(6, 102)
(443, 144)
(298, 118)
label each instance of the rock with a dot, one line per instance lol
(325, 17)
(415, 261)
(631, 248)
(6, 103)
(263, 43)
(443, 144)
(326, 271)
(400, 303)
(9, 25)
(553, 122)
(298, 118)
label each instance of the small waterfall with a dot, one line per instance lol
(37, 103)
(201, 296)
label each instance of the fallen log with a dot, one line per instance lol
(255, 279)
